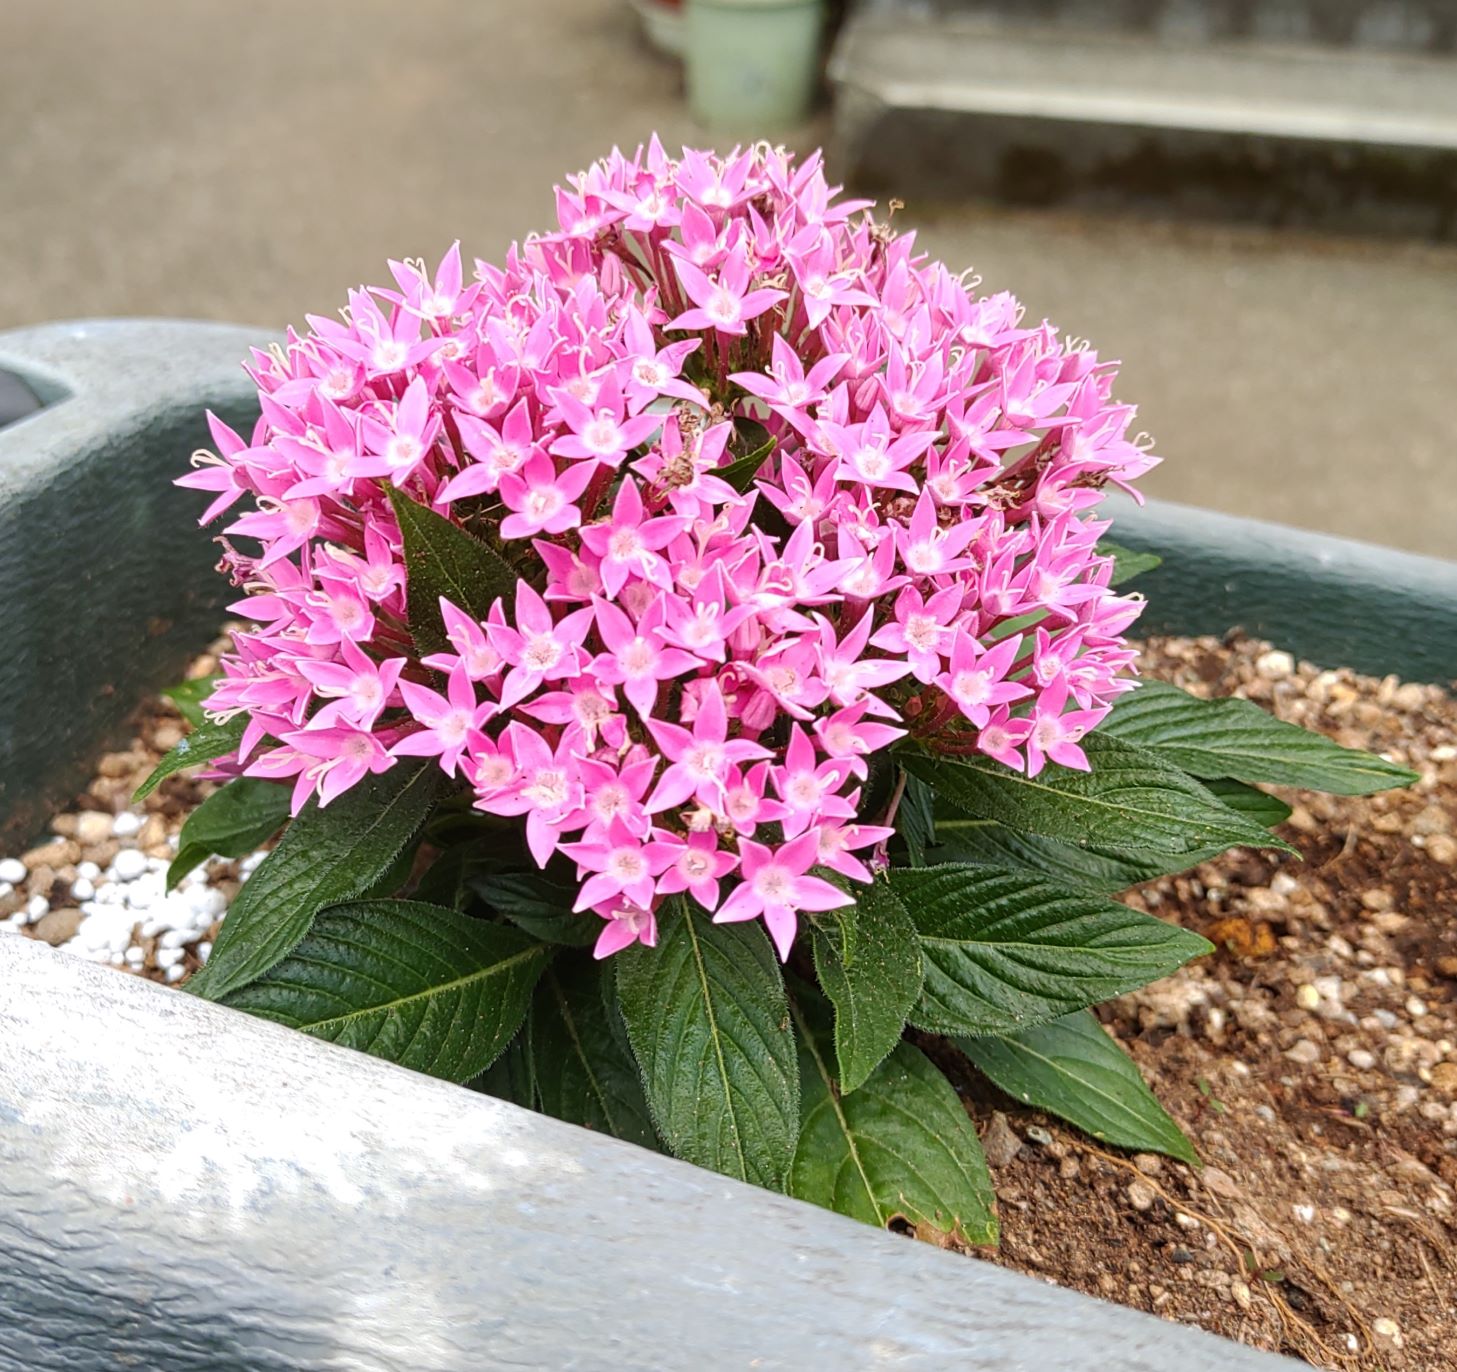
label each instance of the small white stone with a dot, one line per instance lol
(175, 973)
(151, 928)
(1416, 1007)
(117, 960)
(1360, 1059)
(126, 825)
(81, 889)
(128, 864)
(210, 902)
(6, 889)
(37, 907)
(1307, 997)
(174, 938)
(204, 950)
(136, 956)
(1275, 665)
(89, 870)
(168, 956)
(12, 870)
(1304, 1213)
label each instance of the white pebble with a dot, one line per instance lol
(169, 955)
(126, 825)
(128, 864)
(1416, 1007)
(1275, 664)
(1304, 1213)
(204, 950)
(6, 889)
(136, 956)
(89, 870)
(151, 928)
(81, 889)
(12, 870)
(12, 925)
(175, 938)
(175, 973)
(37, 907)
(208, 901)
(1361, 1059)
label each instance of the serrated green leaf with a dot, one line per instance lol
(1004, 950)
(324, 857)
(1102, 870)
(1073, 1069)
(188, 696)
(441, 559)
(1132, 799)
(584, 1072)
(417, 984)
(901, 1147)
(740, 474)
(206, 743)
(1236, 738)
(231, 822)
(874, 988)
(539, 905)
(709, 1025)
(1127, 562)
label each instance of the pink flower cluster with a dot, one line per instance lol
(685, 692)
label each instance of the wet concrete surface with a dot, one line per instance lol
(251, 162)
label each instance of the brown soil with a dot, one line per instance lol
(1311, 1060)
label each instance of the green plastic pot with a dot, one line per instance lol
(753, 63)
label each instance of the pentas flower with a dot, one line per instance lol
(683, 696)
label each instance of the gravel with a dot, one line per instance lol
(96, 886)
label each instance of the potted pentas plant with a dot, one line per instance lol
(699, 696)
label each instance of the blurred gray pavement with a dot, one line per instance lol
(249, 162)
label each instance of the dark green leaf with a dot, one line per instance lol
(740, 474)
(206, 743)
(447, 880)
(1090, 868)
(1073, 1069)
(709, 1026)
(872, 987)
(1127, 563)
(1266, 810)
(584, 1072)
(509, 1077)
(901, 1147)
(1005, 950)
(231, 822)
(1236, 738)
(418, 984)
(539, 905)
(188, 696)
(915, 819)
(1132, 799)
(441, 559)
(324, 857)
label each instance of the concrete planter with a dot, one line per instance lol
(183, 1187)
